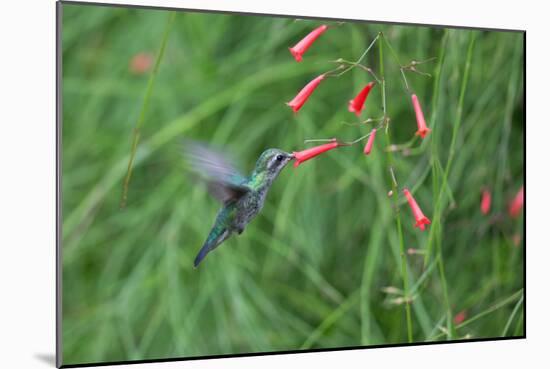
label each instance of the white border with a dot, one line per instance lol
(27, 182)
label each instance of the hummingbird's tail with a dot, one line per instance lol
(215, 238)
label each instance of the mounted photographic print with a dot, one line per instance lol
(244, 184)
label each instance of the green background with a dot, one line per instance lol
(311, 270)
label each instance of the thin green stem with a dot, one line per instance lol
(368, 48)
(330, 320)
(358, 61)
(392, 51)
(351, 65)
(365, 122)
(383, 79)
(435, 232)
(435, 99)
(404, 272)
(489, 310)
(452, 148)
(396, 58)
(344, 143)
(441, 268)
(511, 318)
(519, 324)
(144, 106)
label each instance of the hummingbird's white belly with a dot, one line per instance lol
(247, 208)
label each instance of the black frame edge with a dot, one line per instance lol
(58, 171)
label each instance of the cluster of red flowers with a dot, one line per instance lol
(356, 106)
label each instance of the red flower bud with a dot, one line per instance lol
(423, 130)
(515, 206)
(141, 63)
(357, 104)
(370, 142)
(460, 317)
(485, 202)
(301, 47)
(420, 218)
(303, 95)
(307, 154)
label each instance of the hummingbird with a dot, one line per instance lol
(242, 197)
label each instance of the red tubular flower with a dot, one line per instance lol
(307, 154)
(358, 103)
(485, 202)
(303, 95)
(301, 47)
(423, 130)
(515, 206)
(370, 142)
(421, 219)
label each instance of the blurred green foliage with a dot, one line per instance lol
(309, 271)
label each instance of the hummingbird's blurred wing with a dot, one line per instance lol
(214, 167)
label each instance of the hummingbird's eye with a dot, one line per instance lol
(280, 158)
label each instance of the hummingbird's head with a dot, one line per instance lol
(271, 162)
